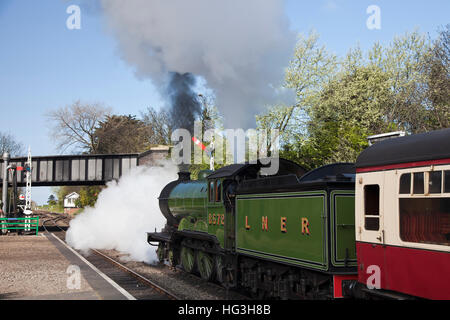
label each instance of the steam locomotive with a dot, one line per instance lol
(379, 228)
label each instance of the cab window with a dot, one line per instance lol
(218, 191)
(211, 191)
(215, 191)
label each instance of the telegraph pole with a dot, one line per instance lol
(5, 181)
(28, 167)
(5, 188)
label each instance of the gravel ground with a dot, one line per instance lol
(31, 266)
(184, 285)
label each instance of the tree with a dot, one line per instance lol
(372, 95)
(436, 68)
(401, 60)
(88, 196)
(350, 108)
(51, 200)
(9, 144)
(74, 126)
(401, 86)
(121, 134)
(311, 67)
(158, 126)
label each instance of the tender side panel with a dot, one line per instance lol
(343, 250)
(288, 227)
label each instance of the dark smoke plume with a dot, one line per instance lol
(185, 106)
(240, 48)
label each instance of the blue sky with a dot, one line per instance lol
(44, 65)
(342, 24)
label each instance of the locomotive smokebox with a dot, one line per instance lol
(165, 196)
(183, 197)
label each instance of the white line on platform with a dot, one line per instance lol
(104, 276)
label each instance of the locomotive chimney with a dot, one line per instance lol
(184, 176)
(183, 172)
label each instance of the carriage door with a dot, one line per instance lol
(371, 211)
(370, 235)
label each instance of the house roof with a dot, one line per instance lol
(72, 195)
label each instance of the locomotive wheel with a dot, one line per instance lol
(187, 259)
(173, 261)
(218, 265)
(160, 253)
(205, 265)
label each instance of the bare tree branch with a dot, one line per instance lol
(9, 144)
(75, 125)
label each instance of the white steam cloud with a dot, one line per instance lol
(240, 48)
(123, 213)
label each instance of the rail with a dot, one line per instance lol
(26, 224)
(147, 282)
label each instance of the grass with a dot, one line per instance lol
(54, 208)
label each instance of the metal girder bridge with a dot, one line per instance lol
(80, 170)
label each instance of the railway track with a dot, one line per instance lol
(137, 286)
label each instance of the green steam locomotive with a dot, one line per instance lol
(287, 236)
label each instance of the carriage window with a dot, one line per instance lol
(372, 207)
(425, 220)
(418, 183)
(211, 191)
(435, 182)
(447, 181)
(218, 191)
(405, 183)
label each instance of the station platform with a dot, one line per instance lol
(43, 267)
